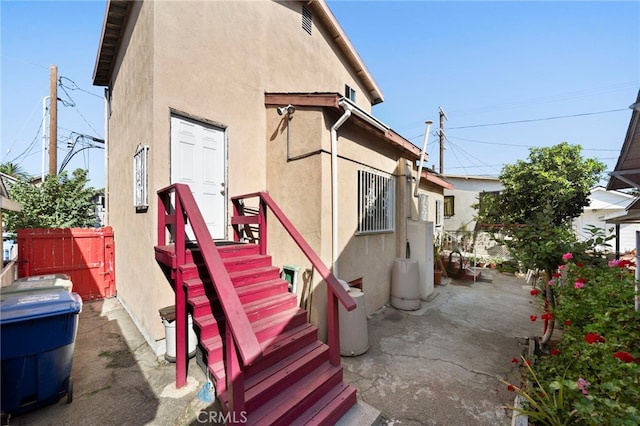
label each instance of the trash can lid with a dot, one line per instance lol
(19, 307)
(51, 282)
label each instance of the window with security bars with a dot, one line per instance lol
(438, 213)
(140, 189)
(376, 202)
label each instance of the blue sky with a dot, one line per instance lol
(483, 62)
(496, 62)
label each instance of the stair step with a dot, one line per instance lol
(285, 408)
(331, 407)
(280, 376)
(209, 326)
(272, 351)
(254, 275)
(239, 263)
(239, 249)
(265, 329)
(248, 293)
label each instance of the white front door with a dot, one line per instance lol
(198, 159)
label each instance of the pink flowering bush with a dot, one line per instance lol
(592, 375)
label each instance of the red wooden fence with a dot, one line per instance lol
(87, 255)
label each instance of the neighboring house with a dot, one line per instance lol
(602, 204)
(460, 216)
(239, 97)
(626, 174)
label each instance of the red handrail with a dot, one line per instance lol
(246, 341)
(335, 290)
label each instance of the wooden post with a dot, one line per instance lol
(181, 308)
(53, 122)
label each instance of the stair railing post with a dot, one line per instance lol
(333, 324)
(263, 226)
(162, 232)
(238, 210)
(180, 298)
(234, 377)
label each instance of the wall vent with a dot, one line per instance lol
(307, 19)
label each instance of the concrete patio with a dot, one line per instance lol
(439, 365)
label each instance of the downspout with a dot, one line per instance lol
(334, 184)
(422, 155)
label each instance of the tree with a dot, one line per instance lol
(13, 170)
(540, 199)
(60, 202)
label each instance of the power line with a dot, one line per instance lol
(539, 119)
(522, 146)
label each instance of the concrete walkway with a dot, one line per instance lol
(439, 365)
(442, 364)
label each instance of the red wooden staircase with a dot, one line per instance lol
(265, 359)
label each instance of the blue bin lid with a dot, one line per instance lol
(39, 305)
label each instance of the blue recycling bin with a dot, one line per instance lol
(37, 336)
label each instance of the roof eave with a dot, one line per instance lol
(338, 35)
(113, 25)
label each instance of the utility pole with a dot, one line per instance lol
(443, 117)
(53, 122)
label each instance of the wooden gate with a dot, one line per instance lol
(87, 255)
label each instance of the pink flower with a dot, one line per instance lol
(583, 385)
(614, 263)
(578, 284)
(567, 256)
(551, 283)
(561, 267)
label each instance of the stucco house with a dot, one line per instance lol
(459, 225)
(603, 204)
(234, 98)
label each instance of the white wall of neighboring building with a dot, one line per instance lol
(466, 190)
(604, 203)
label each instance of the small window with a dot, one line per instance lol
(376, 200)
(438, 212)
(349, 93)
(449, 206)
(423, 208)
(140, 192)
(307, 19)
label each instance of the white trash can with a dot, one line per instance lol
(168, 320)
(354, 338)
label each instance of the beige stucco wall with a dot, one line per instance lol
(141, 285)
(302, 188)
(213, 61)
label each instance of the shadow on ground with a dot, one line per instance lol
(117, 378)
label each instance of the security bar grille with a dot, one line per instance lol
(140, 186)
(376, 202)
